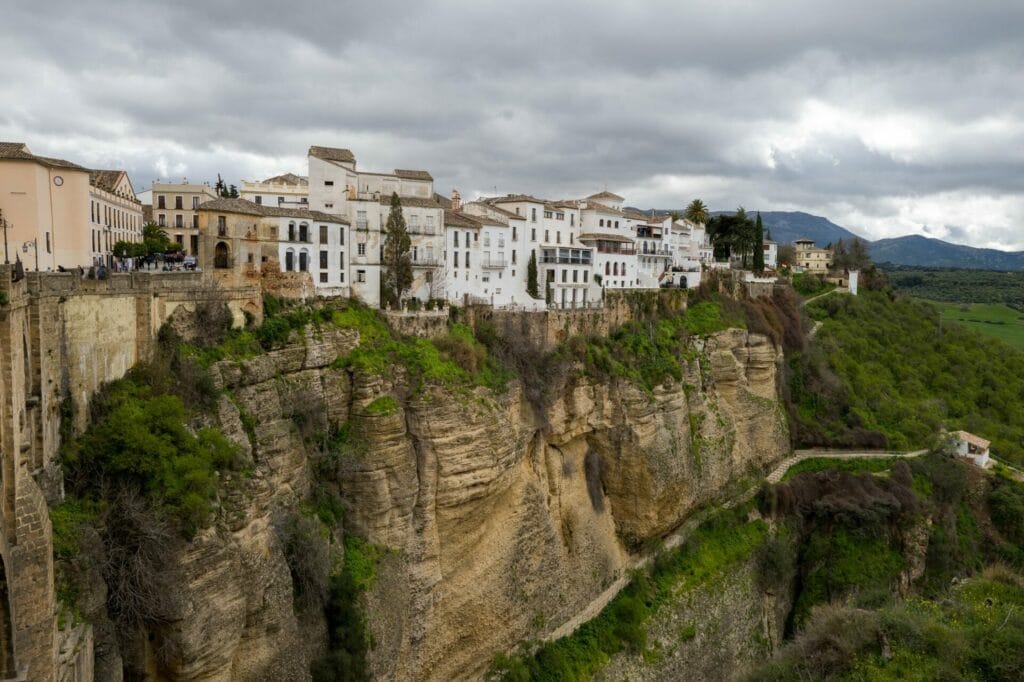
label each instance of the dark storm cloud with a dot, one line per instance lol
(886, 117)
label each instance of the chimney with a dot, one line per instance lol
(456, 201)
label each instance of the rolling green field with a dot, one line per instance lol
(998, 321)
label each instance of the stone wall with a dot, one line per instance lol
(548, 328)
(425, 323)
(61, 338)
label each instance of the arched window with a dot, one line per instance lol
(289, 260)
(623, 268)
(221, 256)
(291, 233)
(601, 222)
(615, 269)
(607, 268)
(303, 232)
(303, 261)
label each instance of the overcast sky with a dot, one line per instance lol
(887, 117)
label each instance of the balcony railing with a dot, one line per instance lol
(362, 224)
(493, 263)
(567, 260)
(424, 262)
(623, 250)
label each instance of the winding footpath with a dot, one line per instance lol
(682, 532)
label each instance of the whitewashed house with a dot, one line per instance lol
(771, 254)
(314, 242)
(337, 186)
(461, 257)
(974, 448)
(515, 249)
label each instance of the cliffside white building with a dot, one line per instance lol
(364, 198)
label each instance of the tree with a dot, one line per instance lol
(787, 255)
(758, 245)
(531, 276)
(220, 187)
(232, 192)
(675, 216)
(123, 249)
(397, 257)
(697, 212)
(154, 240)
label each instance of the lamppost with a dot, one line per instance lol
(34, 243)
(4, 225)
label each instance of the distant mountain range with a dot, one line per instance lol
(914, 250)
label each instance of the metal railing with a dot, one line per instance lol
(566, 260)
(493, 263)
(624, 250)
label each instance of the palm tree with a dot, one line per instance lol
(697, 212)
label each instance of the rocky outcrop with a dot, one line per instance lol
(502, 522)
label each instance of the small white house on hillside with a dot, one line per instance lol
(973, 447)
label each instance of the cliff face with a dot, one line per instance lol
(503, 522)
(501, 538)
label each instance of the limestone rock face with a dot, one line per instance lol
(510, 528)
(502, 522)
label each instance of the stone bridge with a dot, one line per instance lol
(61, 338)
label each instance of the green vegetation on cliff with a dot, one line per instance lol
(142, 442)
(974, 632)
(724, 541)
(650, 350)
(862, 540)
(884, 371)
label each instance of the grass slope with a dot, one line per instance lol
(887, 366)
(995, 320)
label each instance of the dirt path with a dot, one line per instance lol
(837, 290)
(682, 532)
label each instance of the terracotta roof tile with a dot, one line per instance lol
(606, 195)
(246, 207)
(333, 154)
(415, 202)
(287, 179)
(454, 219)
(20, 151)
(413, 174)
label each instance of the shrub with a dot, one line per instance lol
(1006, 505)
(140, 441)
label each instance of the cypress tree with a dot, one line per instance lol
(531, 276)
(397, 258)
(758, 245)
